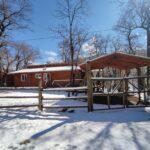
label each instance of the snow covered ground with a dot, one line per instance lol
(28, 128)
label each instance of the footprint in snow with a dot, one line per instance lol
(71, 147)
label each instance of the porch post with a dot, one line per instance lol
(90, 87)
(139, 82)
(126, 88)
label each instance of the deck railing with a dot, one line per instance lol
(117, 86)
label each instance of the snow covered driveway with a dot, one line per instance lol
(54, 130)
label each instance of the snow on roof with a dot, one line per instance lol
(46, 69)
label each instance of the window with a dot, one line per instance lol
(37, 75)
(23, 77)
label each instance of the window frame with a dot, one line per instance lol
(24, 77)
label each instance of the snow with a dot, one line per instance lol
(46, 69)
(28, 128)
(66, 88)
(19, 88)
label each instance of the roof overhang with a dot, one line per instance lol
(118, 60)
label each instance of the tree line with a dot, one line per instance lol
(14, 15)
(72, 34)
(134, 16)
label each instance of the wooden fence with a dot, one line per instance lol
(41, 98)
(67, 89)
(18, 97)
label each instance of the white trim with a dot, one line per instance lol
(47, 69)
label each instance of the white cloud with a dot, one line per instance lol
(87, 47)
(51, 56)
(51, 53)
(88, 50)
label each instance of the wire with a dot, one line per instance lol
(40, 38)
(103, 30)
(46, 38)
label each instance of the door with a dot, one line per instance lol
(47, 79)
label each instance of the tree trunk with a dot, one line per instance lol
(1, 76)
(148, 42)
(72, 55)
(148, 55)
(17, 66)
(72, 62)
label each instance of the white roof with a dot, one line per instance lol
(46, 69)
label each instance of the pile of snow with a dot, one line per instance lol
(19, 88)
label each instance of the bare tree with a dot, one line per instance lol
(139, 18)
(116, 44)
(24, 54)
(6, 63)
(125, 27)
(98, 45)
(13, 16)
(70, 13)
(7, 60)
(16, 56)
(64, 50)
(80, 38)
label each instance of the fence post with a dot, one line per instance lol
(89, 87)
(40, 106)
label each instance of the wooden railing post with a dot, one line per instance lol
(139, 83)
(123, 100)
(123, 94)
(144, 89)
(126, 92)
(108, 100)
(148, 79)
(90, 87)
(148, 83)
(40, 106)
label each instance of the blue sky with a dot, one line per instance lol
(103, 15)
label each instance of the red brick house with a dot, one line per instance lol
(52, 75)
